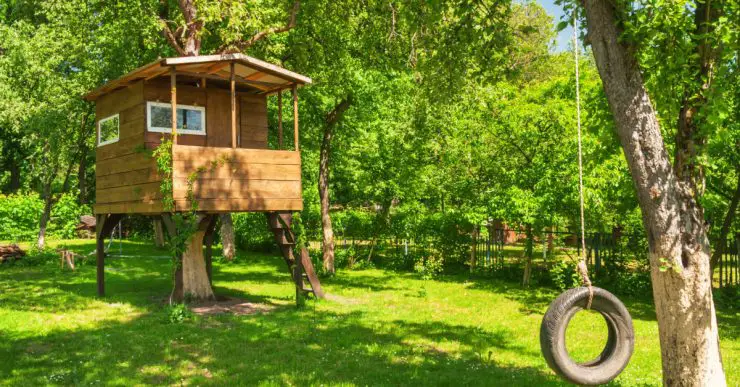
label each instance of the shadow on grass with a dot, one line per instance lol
(287, 346)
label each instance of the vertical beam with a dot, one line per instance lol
(233, 107)
(100, 253)
(173, 102)
(280, 119)
(295, 116)
(104, 224)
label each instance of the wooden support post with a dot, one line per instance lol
(173, 102)
(100, 255)
(104, 224)
(295, 116)
(280, 119)
(233, 106)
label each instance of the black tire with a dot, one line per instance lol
(618, 348)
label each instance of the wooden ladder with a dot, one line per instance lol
(300, 269)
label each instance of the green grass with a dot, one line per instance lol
(381, 328)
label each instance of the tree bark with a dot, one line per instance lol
(195, 283)
(528, 252)
(158, 232)
(227, 237)
(45, 215)
(328, 233)
(672, 216)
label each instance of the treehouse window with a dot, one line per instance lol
(190, 119)
(108, 130)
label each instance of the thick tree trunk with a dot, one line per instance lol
(227, 237)
(673, 219)
(195, 283)
(328, 233)
(191, 276)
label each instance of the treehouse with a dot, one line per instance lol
(213, 111)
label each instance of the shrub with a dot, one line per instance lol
(563, 275)
(252, 232)
(20, 216)
(65, 216)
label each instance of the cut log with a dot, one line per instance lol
(11, 253)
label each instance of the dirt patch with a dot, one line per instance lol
(230, 305)
(342, 300)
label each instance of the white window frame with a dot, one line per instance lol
(118, 130)
(158, 129)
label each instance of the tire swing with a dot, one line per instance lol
(620, 342)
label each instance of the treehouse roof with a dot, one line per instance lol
(255, 74)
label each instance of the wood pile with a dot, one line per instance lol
(11, 253)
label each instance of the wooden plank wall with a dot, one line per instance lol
(243, 180)
(253, 122)
(256, 180)
(251, 113)
(126, 178)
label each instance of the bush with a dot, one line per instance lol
(65, 216)
(20, 216)
(252, 232)
(563, 275)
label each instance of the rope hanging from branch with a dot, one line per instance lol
(582, 267)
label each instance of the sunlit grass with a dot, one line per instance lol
(379, 327)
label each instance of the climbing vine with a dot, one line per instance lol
(185, 223)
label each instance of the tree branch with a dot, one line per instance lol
(171, 39)
(244, 44)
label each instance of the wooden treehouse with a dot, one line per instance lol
(224, 158)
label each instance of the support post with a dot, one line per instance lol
(233, 106)
(100, 255)
(104, 224)
(295, 116)
(280, 119)
(173, 102)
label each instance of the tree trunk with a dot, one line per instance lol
(14, 184)
(227, 237)
(725, 230)
(673, 219)
(528, 256)
(82, 176)
(45, 215)
(195, 283)
(328, 233)
(158, 233)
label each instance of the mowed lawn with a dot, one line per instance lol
(379, 328)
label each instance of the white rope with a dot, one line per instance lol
(582, 266)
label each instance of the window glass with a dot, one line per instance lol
(190, 119)
(108, 130)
